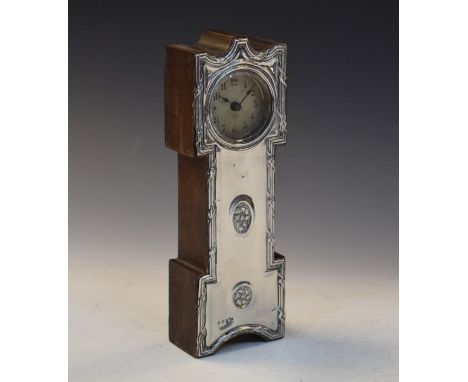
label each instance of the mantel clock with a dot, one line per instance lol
(225, 113)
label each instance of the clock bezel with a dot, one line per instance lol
(259, 74)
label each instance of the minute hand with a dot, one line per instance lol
(246, 94)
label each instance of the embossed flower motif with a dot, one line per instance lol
(242, 296)
(242, 217)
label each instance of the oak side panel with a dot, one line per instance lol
(193, 211)
(179, 85)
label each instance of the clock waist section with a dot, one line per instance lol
(245, 293)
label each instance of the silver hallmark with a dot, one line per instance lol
(240, 206)
(225, 323)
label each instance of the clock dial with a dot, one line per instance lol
(240, 106)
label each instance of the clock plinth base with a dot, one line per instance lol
(184, 283)
(183, 299)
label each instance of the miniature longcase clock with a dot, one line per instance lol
(225, 112)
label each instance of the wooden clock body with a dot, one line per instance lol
(224, 282)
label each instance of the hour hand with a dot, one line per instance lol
(225, 99)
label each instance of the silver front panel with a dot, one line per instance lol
(244, 289)
(241, 257)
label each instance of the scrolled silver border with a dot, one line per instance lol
(272, 61)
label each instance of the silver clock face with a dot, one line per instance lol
(240, 106)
